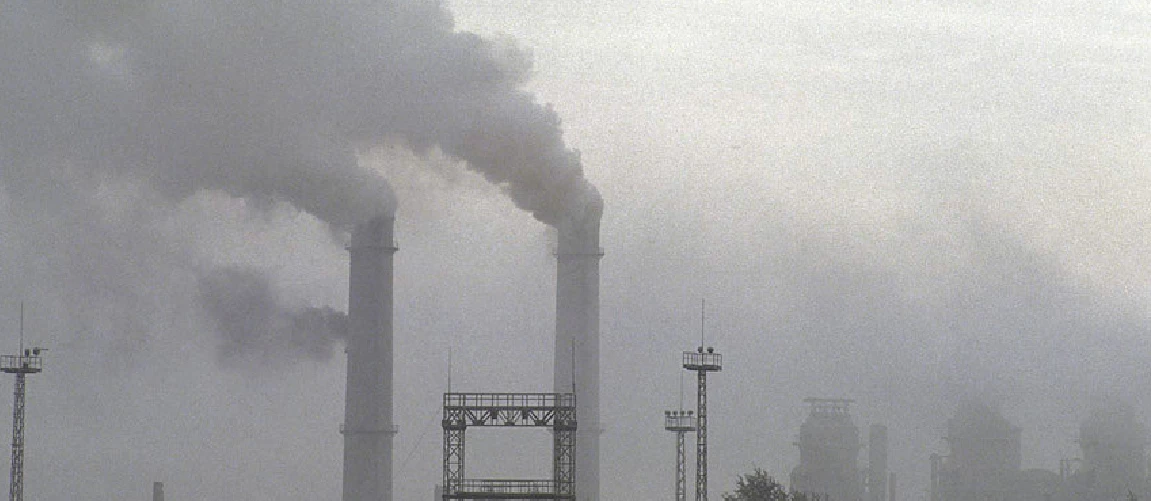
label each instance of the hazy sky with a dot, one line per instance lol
(901, 202)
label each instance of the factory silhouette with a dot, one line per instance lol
(983, 460)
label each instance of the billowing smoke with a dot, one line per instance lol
(254, 321)
(271, 101)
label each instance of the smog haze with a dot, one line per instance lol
(911, 204)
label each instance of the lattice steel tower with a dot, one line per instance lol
(701, 362)
(679, 422)
(29, 362)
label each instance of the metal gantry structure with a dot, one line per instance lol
(702, 362)
(29, 362)
(551, 410)
(679, 422)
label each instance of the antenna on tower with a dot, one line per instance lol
(702, 319)
(573, 368)
(449, 368)
(681, 391)
(21, 326)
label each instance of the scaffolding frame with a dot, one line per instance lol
(551, 410)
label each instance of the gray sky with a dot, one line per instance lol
(902, 202)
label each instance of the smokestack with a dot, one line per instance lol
(877, 462)
(577, 326)
(368, 428)
(936, 467)
(157, 491)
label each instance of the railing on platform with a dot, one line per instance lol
(508, 400)
(21, 363)
(698, 360)
(505, 486)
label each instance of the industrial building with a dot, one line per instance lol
(984, 460)
(829, 448)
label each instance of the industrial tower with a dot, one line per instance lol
(701, 362)
(28, 362)
(679, 422)
(369, 428)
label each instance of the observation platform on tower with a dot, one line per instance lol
(28, 363)
(679, 420)
(700, 360)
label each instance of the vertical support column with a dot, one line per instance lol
(454, 448)
(564, 462)
(701, 439)
(455, 427)
(368, 420)
(680, 466)
(16, 479)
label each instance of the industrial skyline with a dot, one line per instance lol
(904, 203)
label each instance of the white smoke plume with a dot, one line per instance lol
(270, 101)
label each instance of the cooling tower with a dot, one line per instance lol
(368, 429)
(577, 326)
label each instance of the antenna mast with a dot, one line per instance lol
(701, 361)
(28, 361)
(702, 319)
(680, 422)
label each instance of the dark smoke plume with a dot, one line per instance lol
(253, 321)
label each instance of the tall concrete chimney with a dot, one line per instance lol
(368, 427)
(577, 326)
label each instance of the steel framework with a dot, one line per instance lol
(701, 362)
(20, 365)
(553, 410)
(679, 422)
